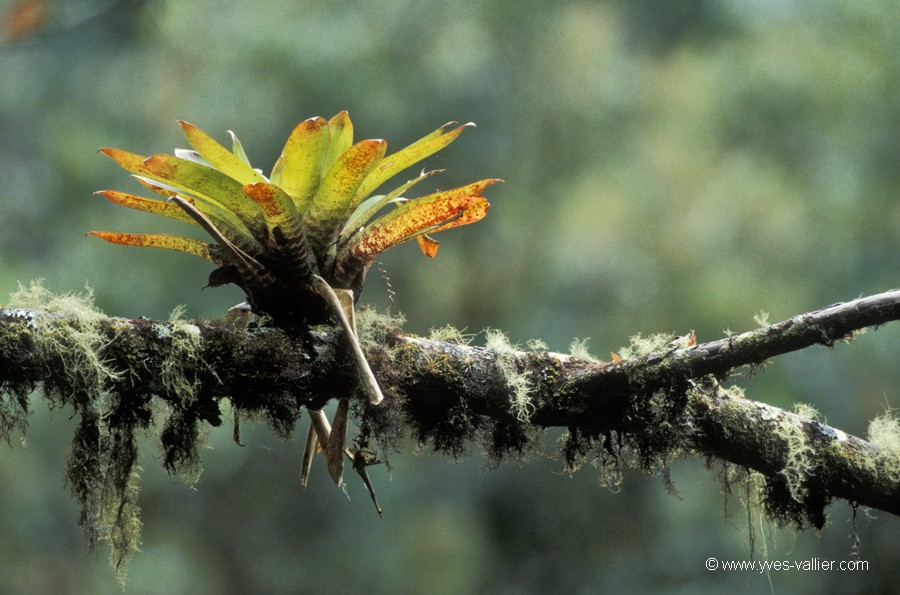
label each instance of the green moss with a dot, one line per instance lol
(14, 391)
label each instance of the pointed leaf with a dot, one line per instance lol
(191, 155)
(239, 230)
(329, 209)
(238, 149)
(218, 156)
(148, 205)
(429, 214)
(308, 454)
(225, 220)
(369, 207)
(209, 185)
(340, 138)
(301, 160)
(404, 158)
(170, 242)
(211, 228)
(276, 205)
(334, 448)
(275, 176)
(158, 187)
(232, 227)
(337, 309)
(131, 162)
(415, 218)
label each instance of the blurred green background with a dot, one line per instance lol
(669, 165)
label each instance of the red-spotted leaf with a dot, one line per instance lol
(370, 207)
(169, 242)
(329, 209)
(429, 214)
(277, 207)
(166, 175)
(148, 205)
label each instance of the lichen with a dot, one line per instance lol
(640, 345)
(578, 348)
(76, 346)
(182, 354)
(884, 432)
(102, 464)
(761, 318)
(537, 345)
(450, 334)
(799, 456)
(373, 327)
(520, 387)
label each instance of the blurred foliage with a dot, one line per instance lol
(670, 165)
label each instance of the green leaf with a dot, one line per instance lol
(340, 138)
(209, 186)
(404, 158)
(370, 207)
(429, 214)
(218, 156)
(301, 160)
(329, 209)
(148, 205)
(169, 242)
(231, 224)
(131, 162)
(416, 217)
(275, 176)
(277, 206)
(238, 149)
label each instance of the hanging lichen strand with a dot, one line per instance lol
(314, 216)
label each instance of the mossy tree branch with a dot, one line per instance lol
(648, 408)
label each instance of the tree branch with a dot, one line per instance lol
(648, 408)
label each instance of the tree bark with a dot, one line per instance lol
(653, 407)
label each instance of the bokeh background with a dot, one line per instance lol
(669, 164)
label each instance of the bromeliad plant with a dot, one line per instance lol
(314, 216)
(299, 242)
